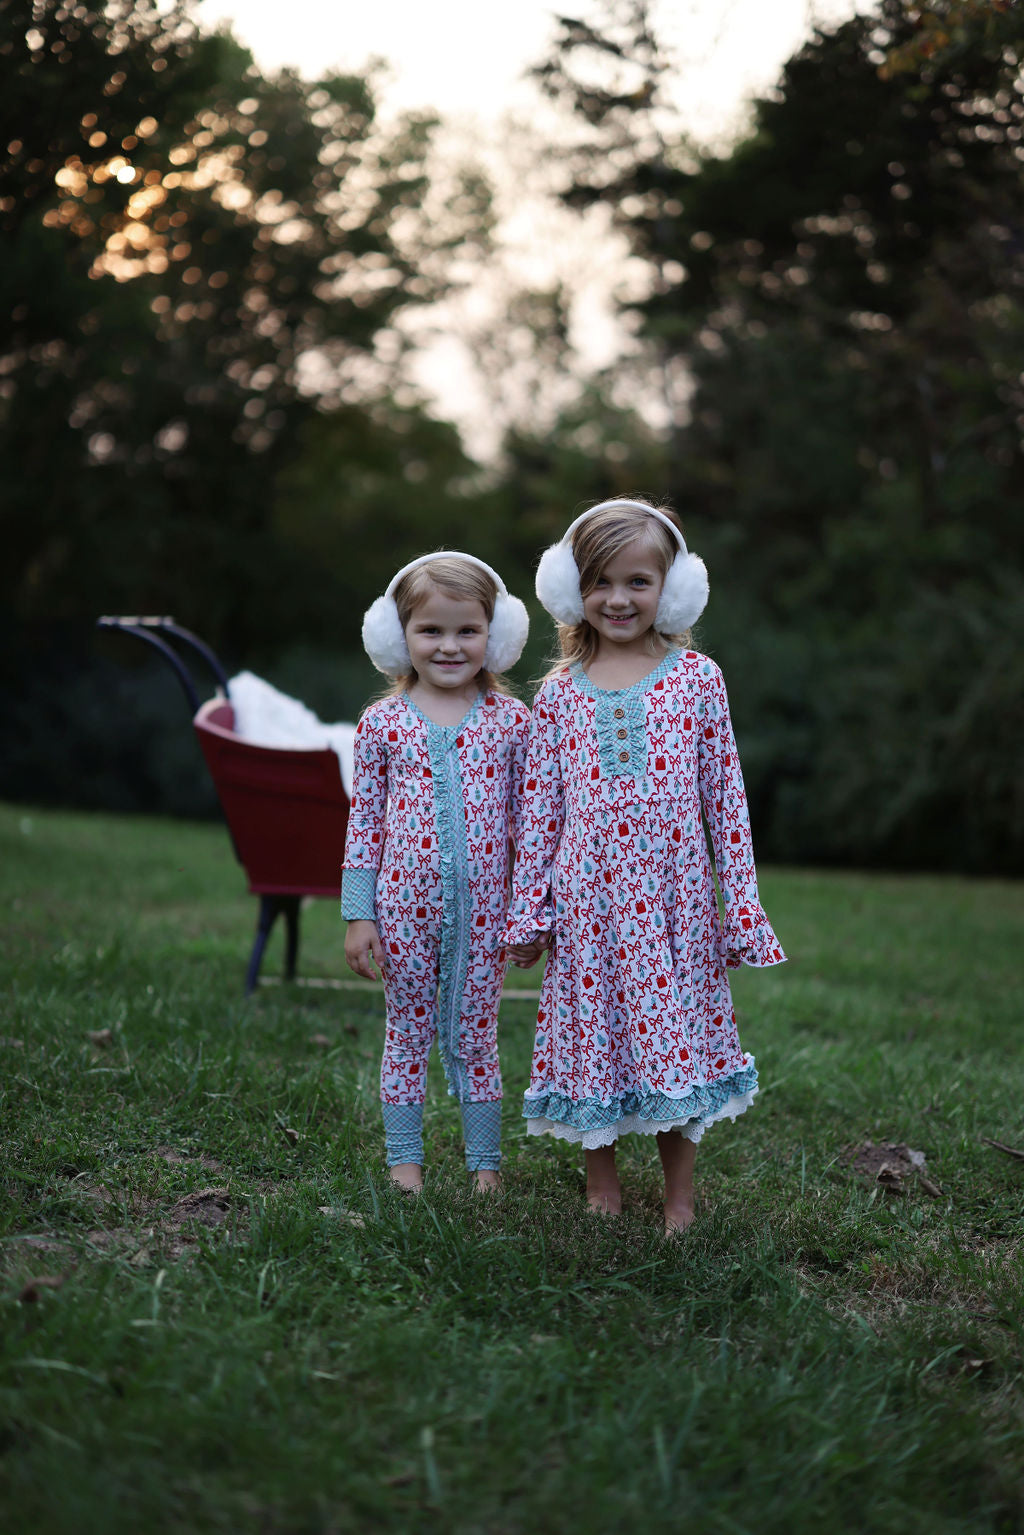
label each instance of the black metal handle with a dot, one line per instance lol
(145, 629)
(134, 623)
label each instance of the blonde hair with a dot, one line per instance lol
(594, 544)
(456, 578)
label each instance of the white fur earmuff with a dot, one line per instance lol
(384, 637)
(683, 596)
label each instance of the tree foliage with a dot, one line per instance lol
(198, 261)
(845, 290)
(201, 409)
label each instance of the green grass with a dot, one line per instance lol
(817, 1354)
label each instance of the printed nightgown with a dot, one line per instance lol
(636, 1030)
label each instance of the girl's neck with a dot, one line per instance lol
(620, 666)
(444, 706)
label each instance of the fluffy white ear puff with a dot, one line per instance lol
(684, 595)
(384, 639)
(507, 635)
(558, 584)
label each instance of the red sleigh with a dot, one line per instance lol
(286, 808)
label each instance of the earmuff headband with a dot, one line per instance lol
(683, 594)
(633, 506)
(384, 637)
(445, 554)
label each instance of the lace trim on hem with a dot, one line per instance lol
(633, 1124)
(701, 1101)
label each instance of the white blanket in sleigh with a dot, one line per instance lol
(267, 717)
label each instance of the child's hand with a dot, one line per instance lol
(525, 955)
(362, 941)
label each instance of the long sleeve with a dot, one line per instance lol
(531, 910)
(517, 774)
(364, 841)
(748, 933)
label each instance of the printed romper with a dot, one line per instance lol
(427, 858)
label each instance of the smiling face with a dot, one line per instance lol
(622, 605)
(447, 639)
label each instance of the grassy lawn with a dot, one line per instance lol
(216, 1316)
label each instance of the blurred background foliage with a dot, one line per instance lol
(205, 407)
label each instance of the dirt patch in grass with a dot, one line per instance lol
(175, 1158)
(168, 1235)
(202, 1210)
(889, 1164)
(156, 1234)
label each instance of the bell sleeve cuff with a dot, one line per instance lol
(750, 940)
(359, 895)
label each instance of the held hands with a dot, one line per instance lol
(526, 955)
(362, 946)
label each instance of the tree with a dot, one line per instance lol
(197, 261)
(844, 290)
(200, 270)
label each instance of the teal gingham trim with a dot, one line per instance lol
(403, 1132)
(701, 1104)
(481, 1126)
(359, 895)
(622, 709)
(450, 819)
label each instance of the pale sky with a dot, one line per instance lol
(464, 59)
(467, 56)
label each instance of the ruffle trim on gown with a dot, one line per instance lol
(590, 1123)
(750, 939)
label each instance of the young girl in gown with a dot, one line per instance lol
(435, 800)
(631, 744)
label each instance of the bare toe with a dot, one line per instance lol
(407, 1176)
(604, 1203)
(678, 1218)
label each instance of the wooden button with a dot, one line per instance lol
(623, 756)
(620, 714)
(622, 734)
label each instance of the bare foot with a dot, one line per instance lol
(603, 1191)
(605, 1201)
(679, 1216)
(677, 1158)
(486, 1180)
(408, 1176)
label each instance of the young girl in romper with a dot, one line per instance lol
(435, 800)
(631, 741)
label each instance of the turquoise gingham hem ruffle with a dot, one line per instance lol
(650, 1111)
